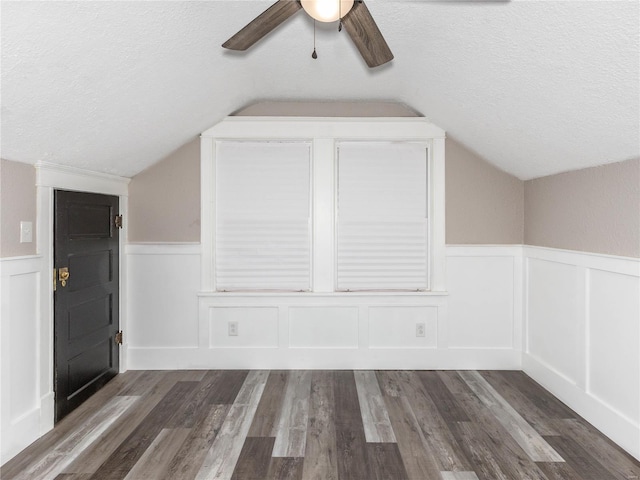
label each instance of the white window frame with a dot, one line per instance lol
(325, 133)
(426, 146)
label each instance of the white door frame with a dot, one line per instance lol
(51, 177)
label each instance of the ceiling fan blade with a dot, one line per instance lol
(263, 24)
(366, 35)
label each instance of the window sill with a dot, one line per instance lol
(323, 294)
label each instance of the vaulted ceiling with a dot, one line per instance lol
(534, 87)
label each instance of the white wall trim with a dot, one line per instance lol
(19, 264)
(77, 179)
(402, 128)
(484, 250)
(177, 248)
(331, 359)
(582, 335)
(437, 222)
(597, 261)
(207, 212)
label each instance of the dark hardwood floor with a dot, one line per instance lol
(323, 425)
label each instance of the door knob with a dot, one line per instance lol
(63, 276)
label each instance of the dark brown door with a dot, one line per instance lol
(86, 306)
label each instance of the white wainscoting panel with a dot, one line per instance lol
(482, 304)
(554, 331)
(613, 336)
(323, 327)
(257, 327)
(162, 281)
(21, 402)
(174, 325)
(581, 328)
(582, 321)
(21, 335)
(395, 327)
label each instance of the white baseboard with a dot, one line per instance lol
(20, 433)
(325, 359)
(608, 420)
(47, 412)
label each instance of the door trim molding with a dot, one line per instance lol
(71, 178)
(51, 177)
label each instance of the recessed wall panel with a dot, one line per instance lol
(323, 327)
(163, 301)
(480, 312)
(23, 344)
(395, 327)
(553, 326)
(257, 327)
(614, 330)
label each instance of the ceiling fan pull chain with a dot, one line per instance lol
(314, 55)
(340, 14)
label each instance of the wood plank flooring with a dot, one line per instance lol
(323, 425)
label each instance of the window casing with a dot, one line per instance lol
(325, 139)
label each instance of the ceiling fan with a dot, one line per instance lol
(353, 14)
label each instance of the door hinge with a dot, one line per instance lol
(118, 338)
(55, 279)
(118, 221)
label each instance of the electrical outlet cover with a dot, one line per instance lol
(233, 329)
(26, 232)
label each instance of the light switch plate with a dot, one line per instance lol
(26, 232)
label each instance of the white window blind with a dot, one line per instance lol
(382, 225)
(262, 238)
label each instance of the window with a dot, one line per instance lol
(323, 205)
(263, 216)
(382, 222)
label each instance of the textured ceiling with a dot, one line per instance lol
(534, 87)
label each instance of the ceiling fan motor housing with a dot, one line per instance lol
(327, 10)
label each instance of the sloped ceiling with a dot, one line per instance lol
(535, 87)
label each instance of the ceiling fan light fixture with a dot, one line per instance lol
(327, 10)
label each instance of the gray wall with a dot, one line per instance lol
(17, 203)
(484, 205)
(592, 210)
(164, 200)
